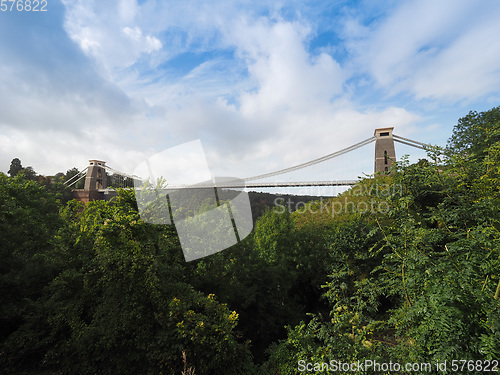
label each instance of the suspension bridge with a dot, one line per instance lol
(101, 180)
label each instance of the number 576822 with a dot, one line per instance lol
(23, 5)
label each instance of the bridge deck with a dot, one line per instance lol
(262, 185)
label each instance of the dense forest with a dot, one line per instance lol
(403, 267)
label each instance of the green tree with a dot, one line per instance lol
(350, 329)
(15, 167)
(119, 303)
(423, 284)
(29, 220)
(266, 278)
(28, 173)
(253, 284)
(475, 133)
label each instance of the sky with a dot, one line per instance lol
(263, 84)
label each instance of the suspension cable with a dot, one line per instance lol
(415, 143)
(343, 151)
(68, 183)
(122, 174)
(74, 183)
(314, 161)
(410, 144)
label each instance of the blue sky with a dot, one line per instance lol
(264, 85)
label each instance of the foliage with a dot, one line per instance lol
(28, 173)
(255, 284)
(475, 133)
(15, 167)
(422, 284)
(119, 303)
(28, 222)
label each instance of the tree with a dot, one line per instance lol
(29, 220)
(475, 133)
(28, 173)
(15, 167)
(423, 283)
(119, 304)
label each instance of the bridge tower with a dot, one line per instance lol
(96, 176)
(385, 153)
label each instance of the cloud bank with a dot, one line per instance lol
(263, 86)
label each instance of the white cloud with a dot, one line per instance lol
(468, 68)
(112, 41)
(128, 10)
(432, 49)
(277, 102)
(145, 43)
(286, 75)
(291, 107)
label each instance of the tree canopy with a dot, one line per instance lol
(15, 167)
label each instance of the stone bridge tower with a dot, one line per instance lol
(96, 178)
(385, 154)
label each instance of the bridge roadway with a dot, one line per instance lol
(240, 185)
